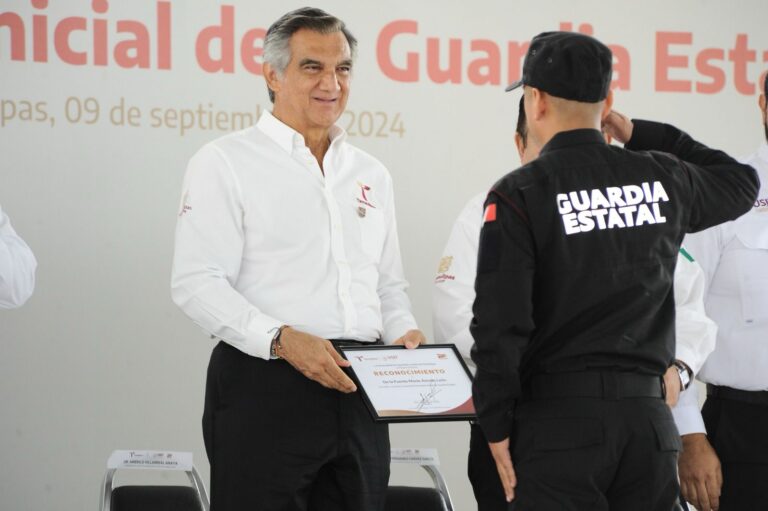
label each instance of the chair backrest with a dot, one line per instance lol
(406, 498)
(153, 498)
(409, 498)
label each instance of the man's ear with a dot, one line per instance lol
(271, 77)
(762, 102)
(519, 144)
(538, 103)
(607, 105)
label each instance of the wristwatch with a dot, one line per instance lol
(685, 373)
(275, 345)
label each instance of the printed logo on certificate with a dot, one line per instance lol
(429, 383)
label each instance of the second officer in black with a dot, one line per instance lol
(574, 314)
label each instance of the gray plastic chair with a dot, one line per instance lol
(153, 498)
(418, 498)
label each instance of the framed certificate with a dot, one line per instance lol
(429, 383)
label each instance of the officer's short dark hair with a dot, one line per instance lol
(522, 122)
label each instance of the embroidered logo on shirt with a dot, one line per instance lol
(361, 211)
(184, 206)
(442, 269)
(445, 264)
(615, 207)
(364, 188)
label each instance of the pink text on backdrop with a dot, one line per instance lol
(402, 53)
(674, 54)
(444, 60)
(92, 36)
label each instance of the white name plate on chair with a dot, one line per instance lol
(415, 456)
(166, 460)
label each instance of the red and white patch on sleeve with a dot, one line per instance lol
(490, 213)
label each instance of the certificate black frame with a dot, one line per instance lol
(406, 418)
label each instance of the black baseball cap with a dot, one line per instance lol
(568, 65)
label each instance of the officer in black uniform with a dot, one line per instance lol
(574, 314)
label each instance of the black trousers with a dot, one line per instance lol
(595, 454)
(279, 441)
(482, 472)
(739, 434)
(594, 441)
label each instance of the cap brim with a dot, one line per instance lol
(513, 86)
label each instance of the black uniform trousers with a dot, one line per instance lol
(482, 472)
(593, 442)
(737, 426)
(279, 441)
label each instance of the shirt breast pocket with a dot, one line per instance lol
(752, 232)
(372, 232)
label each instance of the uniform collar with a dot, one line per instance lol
(573, 138)
(288, 138)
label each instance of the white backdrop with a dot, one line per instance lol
(100, 358)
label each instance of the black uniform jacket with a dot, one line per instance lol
(577, 254)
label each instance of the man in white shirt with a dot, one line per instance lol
(734, 257)
(17, 266)
(453, 294)
(286, 240)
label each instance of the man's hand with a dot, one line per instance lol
(412, 339)
(700, 474)
(315, 358)
(500, 452)
(618, 126)
(673, 386)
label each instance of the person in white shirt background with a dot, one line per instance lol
(725, 465)
(286, 239)
(17, 266)
(453, 295)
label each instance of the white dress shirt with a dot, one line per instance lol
(734, 256)
(453, 294)
(265, 239)
(17, 266)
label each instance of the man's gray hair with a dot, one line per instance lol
(277, 51)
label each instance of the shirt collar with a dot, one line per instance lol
(288, 138)
(573, 138)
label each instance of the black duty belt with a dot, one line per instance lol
(755, 397)
(610, 385)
